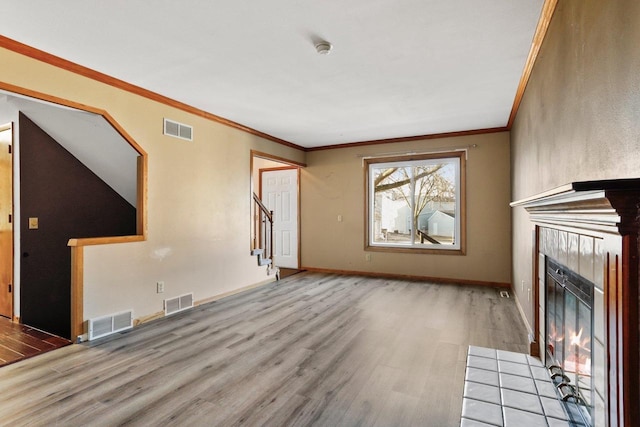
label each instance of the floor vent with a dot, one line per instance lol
(504, 294)
(178, 130)
(107, 325)
(174, 305)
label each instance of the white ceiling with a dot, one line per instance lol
(398, 68)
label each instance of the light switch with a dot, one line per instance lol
(33, 223)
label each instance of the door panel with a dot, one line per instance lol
(280, 194)
(6, 227)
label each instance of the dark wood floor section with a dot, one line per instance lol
(18, 342)
(286, 272)
(312, 349)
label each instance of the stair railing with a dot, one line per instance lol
(263, 228)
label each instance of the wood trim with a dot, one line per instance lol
(91, 241)
(10, 127)
(64, 64)
(410, 138)
(548, 8)
(141, 196)
(461, 154)
(267, 156)
(442, 280)
(144, 319)
(77, 289)
(234, 292)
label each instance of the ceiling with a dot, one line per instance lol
(398, 68)
(87, 136)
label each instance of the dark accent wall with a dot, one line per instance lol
(70, 201)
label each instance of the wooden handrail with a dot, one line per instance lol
(263, 208)
(259, 239)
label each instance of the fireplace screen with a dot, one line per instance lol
(569, 337)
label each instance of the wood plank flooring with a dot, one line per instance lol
(18, 342)
(312, 349)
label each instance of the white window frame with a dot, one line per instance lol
(459, 160)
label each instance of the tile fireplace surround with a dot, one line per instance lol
(591, 229)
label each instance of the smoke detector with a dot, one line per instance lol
(323, 47)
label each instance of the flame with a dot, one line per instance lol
(576, 339)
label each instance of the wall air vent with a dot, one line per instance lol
(178, 130)
(181, 303)
(107, 325)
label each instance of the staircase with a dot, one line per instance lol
(263, 236)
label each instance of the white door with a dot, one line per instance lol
(280, 194)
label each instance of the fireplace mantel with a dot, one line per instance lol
(593, 228)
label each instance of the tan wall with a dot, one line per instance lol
(198, 199)
(580, 116)
(333, 184)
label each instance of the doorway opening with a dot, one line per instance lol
(276, 182)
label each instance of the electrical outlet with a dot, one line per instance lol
(367, 257)
(160, 287)
(339, 218)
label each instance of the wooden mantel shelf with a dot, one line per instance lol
(607, 205)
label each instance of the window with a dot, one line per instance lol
(416, 203)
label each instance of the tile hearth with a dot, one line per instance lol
(509, 389)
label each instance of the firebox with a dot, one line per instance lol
(569, 339)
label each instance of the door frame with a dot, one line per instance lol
(282, 168)
(288, 164)
(11, 128)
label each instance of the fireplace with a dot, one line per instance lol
(585, 296)
(569, 339)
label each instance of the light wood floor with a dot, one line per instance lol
(312, 349)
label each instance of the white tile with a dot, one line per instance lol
(586, 257)
(562, 247)
(546, 388)
(599, 410)
(599, 363)
(524, 401)
(482, 392)
(482, 376)
(598, 314)
(534, 361)
(482, 411)
(573, 253)
(598, 264)
(553, 408)
(465, 422)
(510, 356)
(540, 373)
(518, 383)
(554, 422)
(516, 418)
(482, 351)
(514, 368)
(482, 363)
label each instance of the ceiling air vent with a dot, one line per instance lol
(178, 130)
